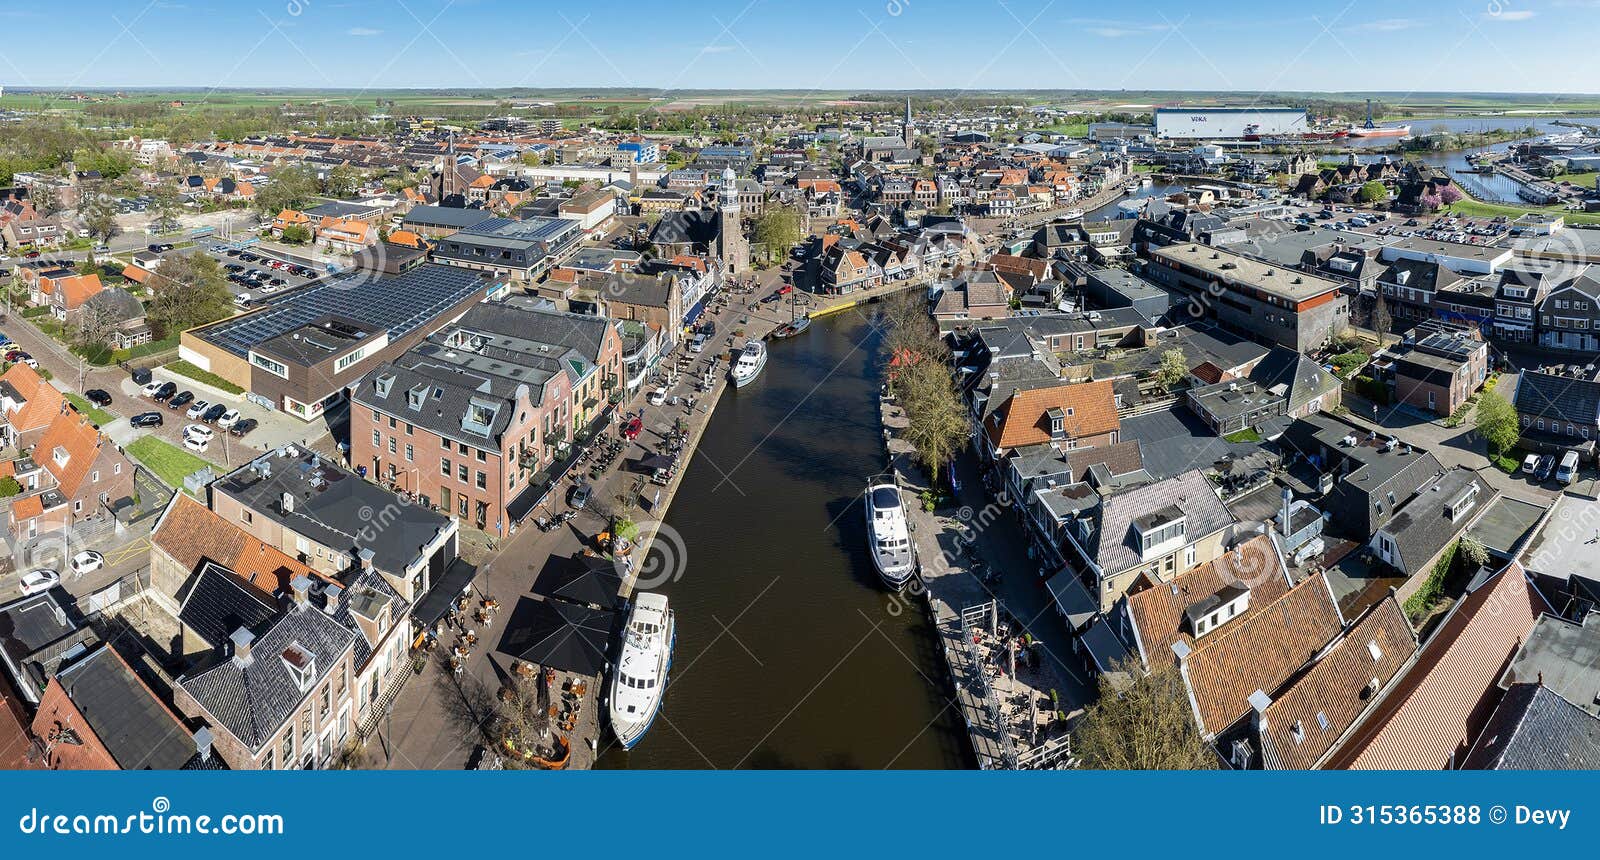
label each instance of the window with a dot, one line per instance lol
(286, 749)
(461, 472)
(1188, 556)
(94, 477)
(275, 368)
(482, 455)
(116, 468)
(377, 439)
(409, 453)
(391, 445)
(482, 480)
(247, 516)
(444, 467)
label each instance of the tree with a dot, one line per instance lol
(1373, 192)
(341, 181)
(1496, 422)
(190, 290)
(1174, 367)
(778, 228)
(99, 216)
(296, 234)
(1381, 320)
(9, 487)
(1143, 724)
(1473, 551)
(1449, 194)
(165, 207)
(936, 424)
(290, 188)
(44, 198)
(93, 324)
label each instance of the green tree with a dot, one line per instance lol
(1496, 422)
(99, 216)
(1473, 551)
(296, 234)
(1145, 724)
(1173, 368)
(190, 290)
(1373, 192)
(778, 228)
(9, 487)
(165, 207)
(289, 188)
(341, 181)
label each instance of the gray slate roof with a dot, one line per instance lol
(1535, 729)
(138, 731)
(1111, 541)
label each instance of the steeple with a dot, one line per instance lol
(909, 129)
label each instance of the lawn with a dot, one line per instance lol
(1469, 206)
(184, 368)
(99, 416)
(169, 462)
(1248, 434)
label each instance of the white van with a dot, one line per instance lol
(698, 344)
(1568, 468)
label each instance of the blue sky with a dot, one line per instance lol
(1397, 45)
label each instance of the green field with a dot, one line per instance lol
(169, 462)
(1469, 206)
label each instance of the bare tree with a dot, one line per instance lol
(1381, 320)
(1144, 724)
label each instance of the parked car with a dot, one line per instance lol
(87, 561)
(1530, 463)
(1547, 464)
(146, 419)
(179, 399)
(198, 409)
(97, 396)
(1568, 470)
(165, 390)
(216, 411)
(244, 427)
(658, 397)
(196, 443)
(39, 581)
(580, 496)
(152, 389)
(199, 431)
(229, 418)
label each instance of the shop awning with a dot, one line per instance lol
(560, 635)
(454, 582)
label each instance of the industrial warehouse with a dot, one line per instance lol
(1208, 123)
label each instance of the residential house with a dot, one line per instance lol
(1431, 716)
(1569, 318)
(1437, 367)
(29, 405)
(1558, 407)
(1066, 415)
(1429, 523)
(292, 218)
(97, 714)
(88, 478)
(1533, 728)
(1360, 479)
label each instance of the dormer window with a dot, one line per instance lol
(1058, 422)
(302, 666)
(60, 455)
(417, 396)
(383, 383)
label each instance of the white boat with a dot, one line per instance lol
(886, 529)
(749, 363)
(1073, 214)
(639, 679)
(1131, 188)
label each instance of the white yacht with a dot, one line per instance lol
(886, 528)
(639, 679)
(749, 363)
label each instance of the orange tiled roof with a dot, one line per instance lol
(135, 273)
(190, 533)
(43, 400)
(1158, 610)
(1306, 720)
(26, 508)
(71, 433)
(1438, 708)
(1209, 373)
(1090, 407)
(406, 238)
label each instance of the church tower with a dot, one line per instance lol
(732, 248)
(909, 128)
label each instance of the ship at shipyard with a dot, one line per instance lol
(1372, 129)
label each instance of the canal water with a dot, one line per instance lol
(787, 654)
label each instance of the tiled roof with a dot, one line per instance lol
(1439, 706)
(71, 433)
(191, 533)
(1307, 719)
(1089, 409)
(43, 400)
(1260, 652)
(1159, 612)
(1111, 544)
(1535, 729)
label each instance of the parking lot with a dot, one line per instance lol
(253, 272)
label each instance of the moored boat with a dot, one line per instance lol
(887, 531)
(790, 329)
(639, 678)
(749, 363)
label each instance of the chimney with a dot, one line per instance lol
(286, 502)
(301, 586)
(242, 640)
(202, 743)
(1288, 498)
(365, 556)
(330, 598)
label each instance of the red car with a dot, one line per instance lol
(784, 290)
(631, 430)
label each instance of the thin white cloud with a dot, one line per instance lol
(363, 31)
(716, 49)
(1391, 25)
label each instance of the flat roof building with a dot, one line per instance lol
(1270, 303)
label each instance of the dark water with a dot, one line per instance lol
(774, 530)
